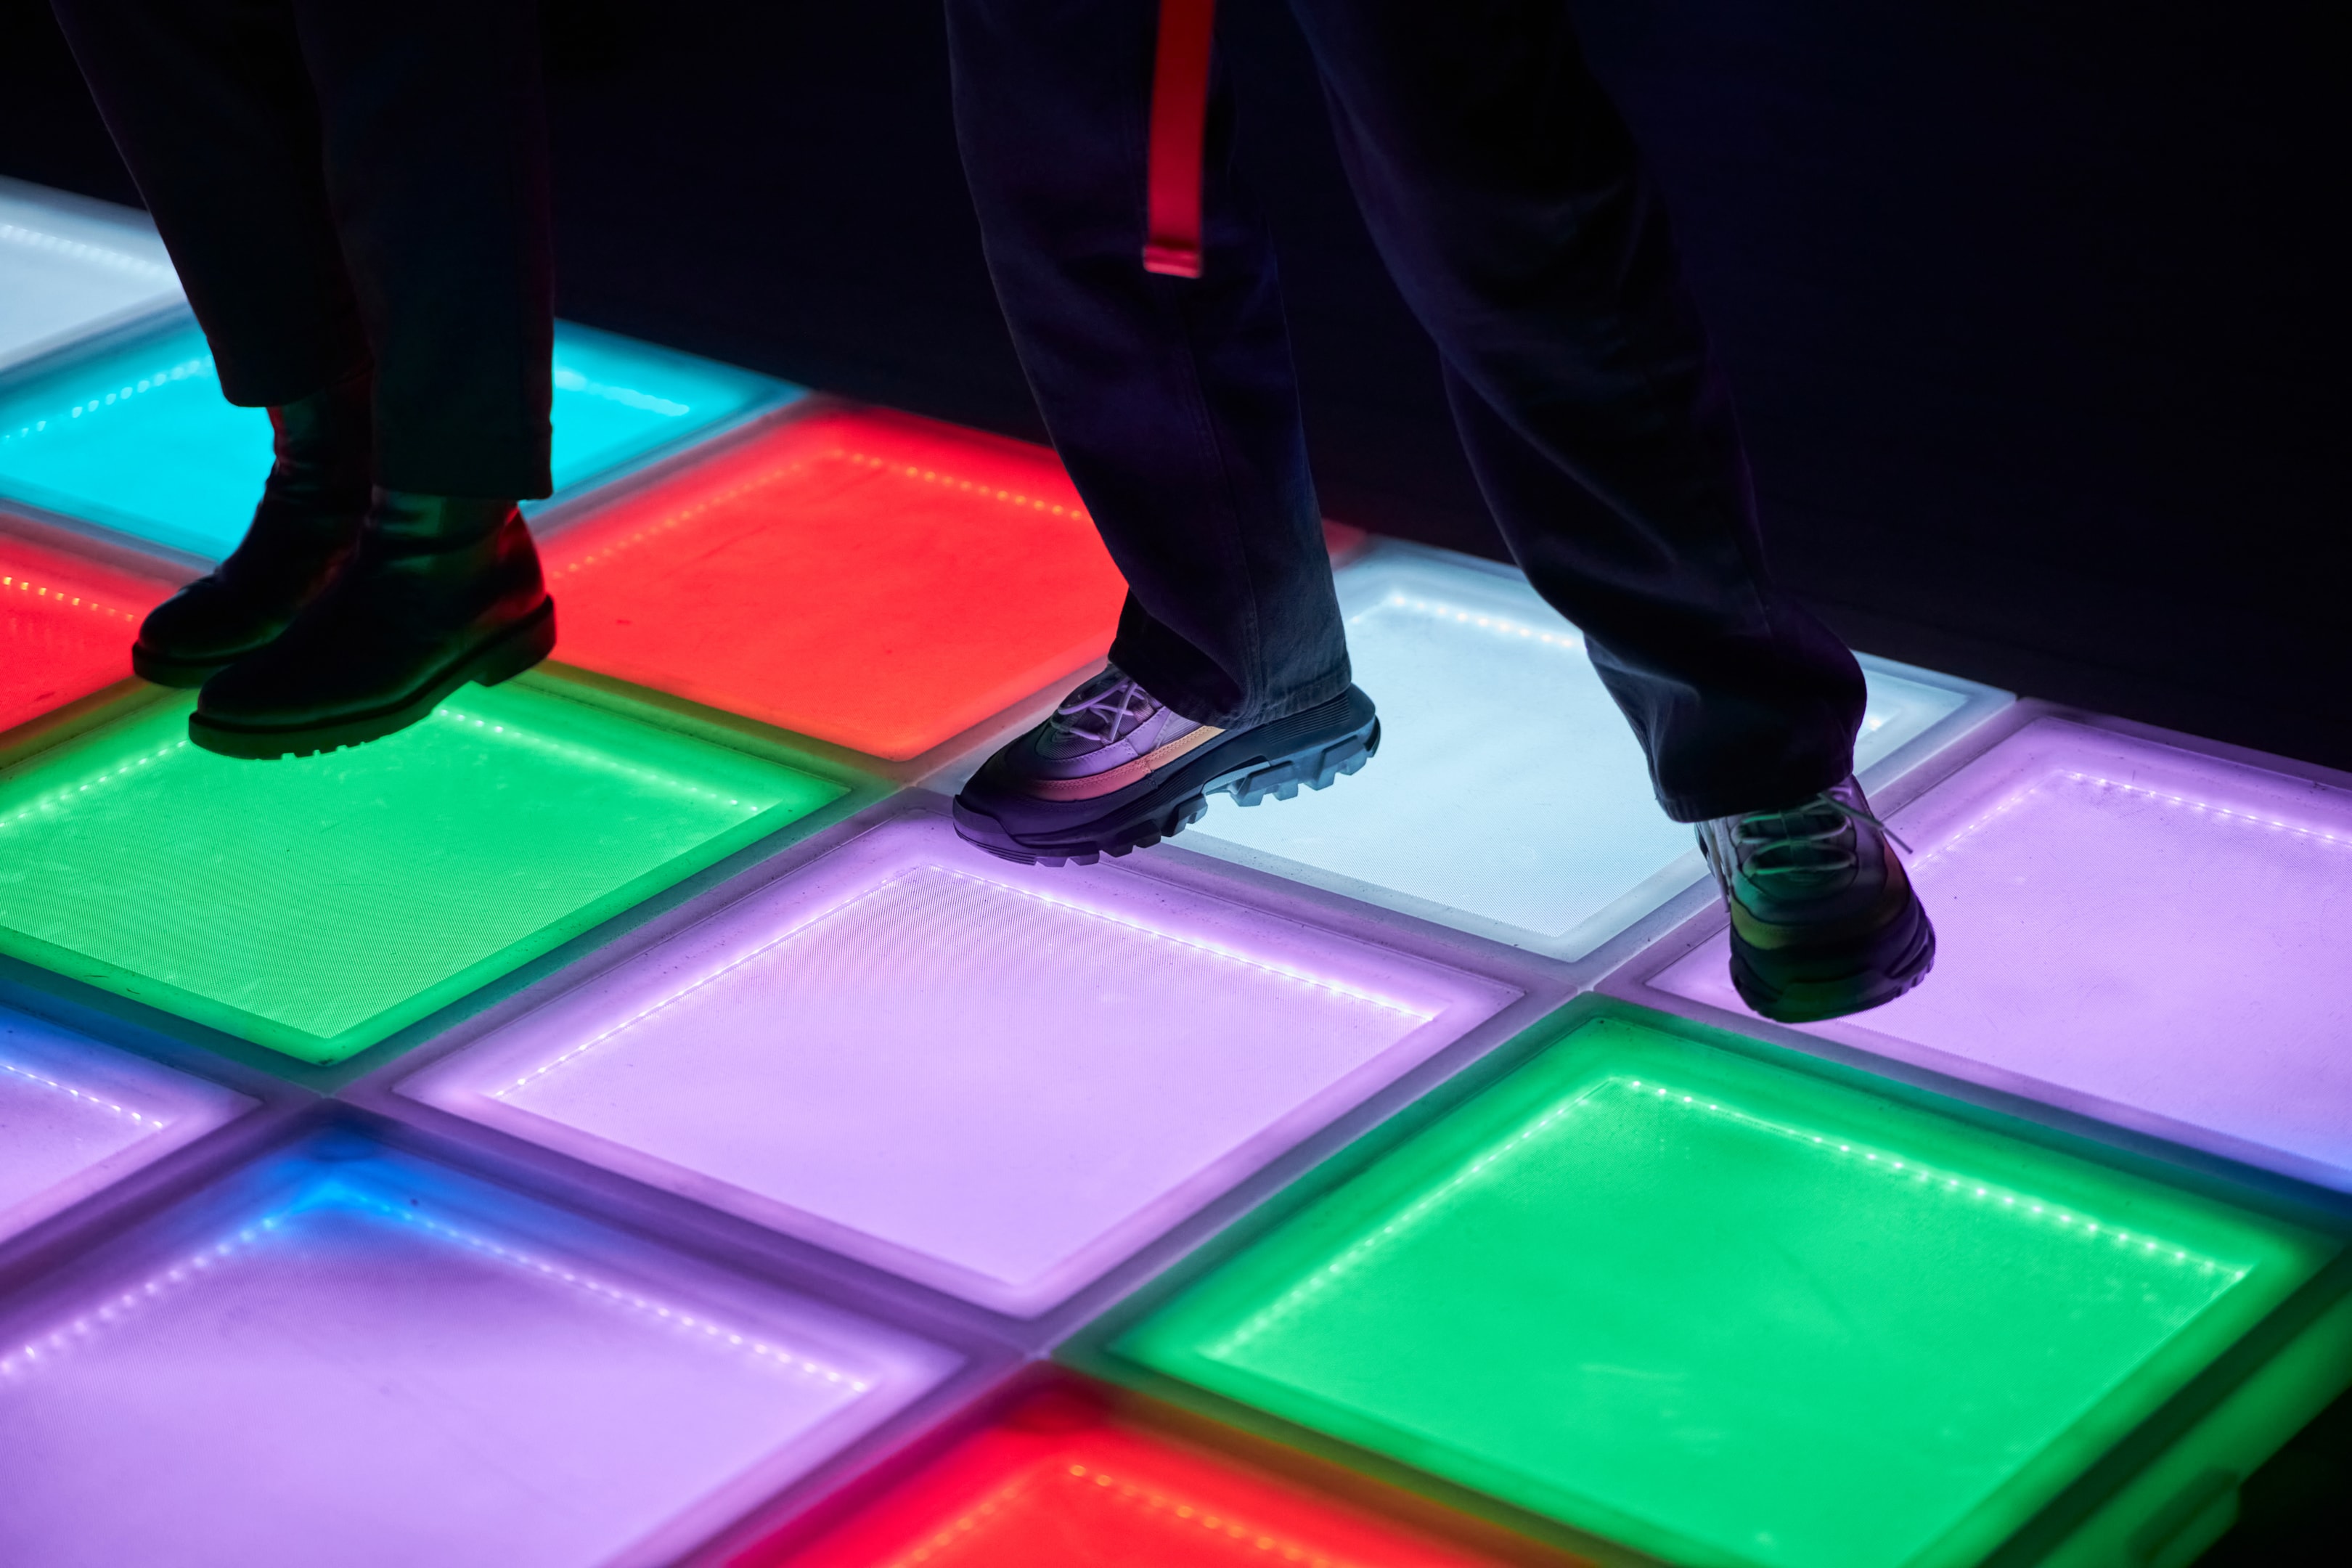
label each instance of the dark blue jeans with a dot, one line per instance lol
(1509, 203)
(346, 185)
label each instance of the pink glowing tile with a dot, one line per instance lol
(999, 1080)
(2157, 938)
(76, 1115)
(347, 1356)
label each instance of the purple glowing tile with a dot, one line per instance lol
(76, 1115)
(344, 1355)
(2151, 936)
(998, 1081)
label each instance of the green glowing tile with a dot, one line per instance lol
(315, 906)
(1728, 1311)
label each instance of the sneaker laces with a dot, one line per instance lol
(1813, 839)
(1100, 711)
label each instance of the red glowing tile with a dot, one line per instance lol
(871, 579)
(66, 621)
(1061, 1480)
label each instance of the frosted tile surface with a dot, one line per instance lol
(2149, 934)
(995, 1079)
(368, 1371)
(76, 1115)
(1508, 797)
(69, 267)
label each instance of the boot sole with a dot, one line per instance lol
(1312, 760)
(504, 657)
(1806, 988)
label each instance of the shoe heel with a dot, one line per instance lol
(1313, 769)
(532, 640)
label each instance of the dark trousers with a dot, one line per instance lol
(1508, 201)
(348, 184)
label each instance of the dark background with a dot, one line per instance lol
(2031, 304)
(2032, 307)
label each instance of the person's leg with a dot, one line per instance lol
(1172, 402)
(433, 145)
(1507, 197)
(211, 106)
(1508, 200)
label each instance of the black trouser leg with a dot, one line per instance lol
(1508, 200)
(1171, 401)
(344, 184)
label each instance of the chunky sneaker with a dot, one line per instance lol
(1823, 920)
(307, 521)
(441, 590)
(1112, 770)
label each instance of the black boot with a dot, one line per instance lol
(441, 590)
(307, 522)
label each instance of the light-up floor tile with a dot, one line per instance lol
(2150, 935)
(359, 1359)
(67, 622)
(1509, 797)
(316, 905)
(1064, 1481)
(76, 1116)
(868, 578)
(141, 440)
(1728, 1311)
(994, 1079)
(71, 266)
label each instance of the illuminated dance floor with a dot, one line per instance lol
(618, 1121)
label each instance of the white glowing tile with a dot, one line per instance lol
(1510, 799)
(346, 1356)
(71, 266)
(76, 1115)
(2154, 937)
(996, 1079)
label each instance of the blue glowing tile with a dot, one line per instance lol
(345, 1355)
(76, 1116)
(71, 266)
(139, 439)
(1510, 799)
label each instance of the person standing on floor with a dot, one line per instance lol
(356, 196)
(1508, 201)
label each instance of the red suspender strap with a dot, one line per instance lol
(1180, 112)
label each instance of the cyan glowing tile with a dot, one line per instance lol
(71, 266)
(347, 1356)
(76, 1115)
(994, 1079)
(621, 404)
(316, 905)
(1725, 1311)
(2154, 937)
(141, 440)
(1510, 799)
